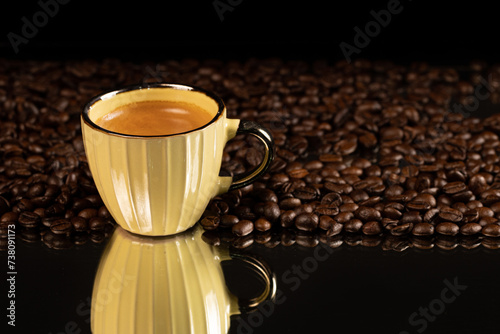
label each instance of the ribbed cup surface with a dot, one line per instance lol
(146, 286)
(158, 186)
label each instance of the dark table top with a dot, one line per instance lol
(346, 289)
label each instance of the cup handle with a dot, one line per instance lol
(255, 129)
(265, 273)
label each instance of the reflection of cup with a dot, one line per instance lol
(166, 285)
(148, 182)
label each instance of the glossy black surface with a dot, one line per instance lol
(346, 289)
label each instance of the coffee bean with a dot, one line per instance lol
(326, 209)
(450, 214)
(332, 198)
(491, 230)
(306, 193)
(423, 229)
(228, 220)
(353, 225)
(485, 212)
(372, 228)
(334, 229)
(262, 225)
(392, 213)
(307, 222)
(210, 222)
(454, 187)
(366, 213)
(447, 228)
(325, 222)
(271, 211)
(287, 218)
(79, 224)
(265, 195)
(242, 228)
(290, 203)
(470, 228)
(61, 226)
(29, 219)
(103, 212)
(344, 217)
(97, 224)
(87, 213)
(348, 207)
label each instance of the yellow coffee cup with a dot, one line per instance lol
(172, 284)
(160, 185)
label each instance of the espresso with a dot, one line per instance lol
(155, 118)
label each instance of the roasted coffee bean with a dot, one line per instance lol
(103, 212)
(450, 214)
(265, 195)
(447, 228)
(431, 215)
(332, 198)
(485, 212)
(287, 218)
(79, 224)
(338, 188)
(219, 207)
(392, 213)
(97, 223)
(290, 203)
(61, 226)
(308, 207)
(470, 228)
(334, 229)
(81, 203)
(9, 217)
(348, 207)
(29, 219)
(306, 193)
(353, 225)
(357, 195)
(422, 202)
(487, 220)
(423, 229)
(491, 230)
(413, 217)
(271, 211)
(242, 228)
(366, 213)
(87, 213)
(262, 225)
(372, 228)
(454, 187)
(471, 216)
(326, 209)
(210, 222)
(325, 222)
(344, 217)
(307, 221)
(228, 220)
(402, 229)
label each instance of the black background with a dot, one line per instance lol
(437, 31)
(357, 289)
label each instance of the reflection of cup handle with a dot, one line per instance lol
(263, 270)
(252, 128)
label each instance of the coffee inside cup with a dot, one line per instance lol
(155, 118)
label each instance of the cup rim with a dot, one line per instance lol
(111, 93)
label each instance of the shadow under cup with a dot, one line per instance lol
(160, 185)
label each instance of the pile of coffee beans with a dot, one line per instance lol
(366, 151)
